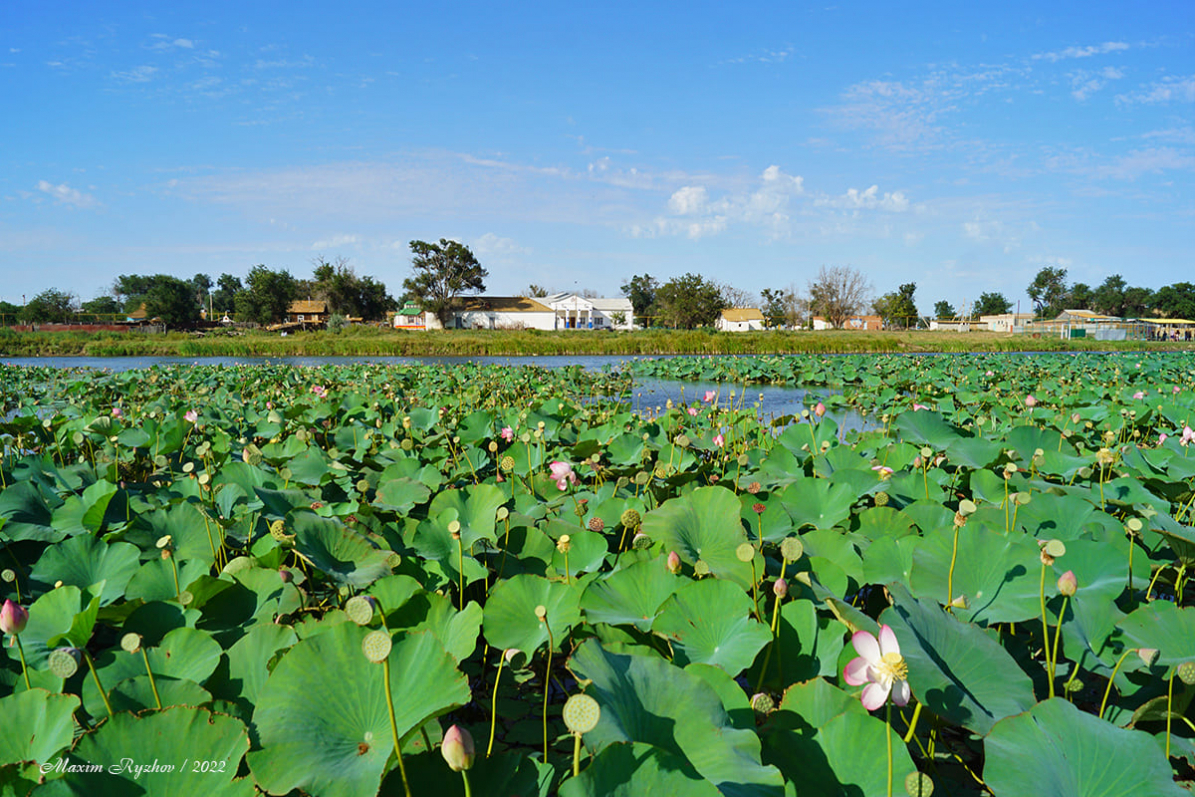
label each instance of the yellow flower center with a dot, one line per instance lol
(892, 667)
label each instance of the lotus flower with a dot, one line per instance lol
(719, 440)
(881, 667)
(1162, 438)
(117, 412)
(819, 409)
(1139, 395)
(192, 416)
(1067, 583)
(507, 434)
(457, 748)
(1188, 436)
(13, 618)
(883, 471)
(692, 410)
(919, 407)
(1030, 401)
(319, 390)
(709, 396)
(562, 474)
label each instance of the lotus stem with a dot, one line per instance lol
(1169, 708)
(153, 684)
(1108, 688)
(24, 667)
(1045, 629)
(576, 754)
(950, 573)
(908, 737)
(460, 569)
(465, 778)
(1057, 634)
(402, 770)
(547, 684)
(494, 710)
(96, 675)
(888, 739)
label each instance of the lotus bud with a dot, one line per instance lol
(780, 588)
(457, 748)
(819, 409)
(13, 618)
(673, 562)
(285, 575)
(1067, 583)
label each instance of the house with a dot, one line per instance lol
(309, 312)
(859, 323)
(411, 316)
(1006, 322)
(497, 312)
(578, 312)
(956, 325)
(740, 319)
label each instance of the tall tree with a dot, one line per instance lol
(534, 291)
(1137, 302)
(172, 300)
(225, 296)
(443, 272)
(51, 306)
(1080, 296)
(1175, 301)
(838, 292)
(774, 307)
(1048, 291)
(347, 294)
(266, 296)
(641, 290)
(202, 285)
(992, 303)
(898, 308)
(734, 296)
(102, 305)
(689, 301)
(1108, 298)
(944, 309)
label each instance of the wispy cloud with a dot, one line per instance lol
(138, 74)
(1082, 52)
(165, 42)
(1086, 83)
(1169, 89)
(765, 204)
(63, 194)
(497, 246)
(337, 242)
(869, 199)
(762, 57)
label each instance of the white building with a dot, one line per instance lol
(740, 319)
(577, 312)
(497, 312)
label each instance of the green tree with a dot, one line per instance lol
(775, 307)
(944, 309)
(1048, 291)
(1175, 301)
(201, 284)
(534, 291)
(172, 301)
(349, 295)
(898, 308)
(225, 296)
(837, 293)
(992, 303)
(1080, 296)
(9, 313)
(1108, 298)
(689, 301)
(51, 306)
(102, 305)
(1137, 302)
(266, 296)
(443, 272)
(641, 290)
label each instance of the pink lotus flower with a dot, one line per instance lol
(269, 405)
(117, 412)
(562, 474)
(1030, 401)
(507, 434)
(1162, 438)
(319, 390)
(1177, 390)
(881, 667)
(709, 396)
(919, 407)
(883, 471)
(1188, 436)
(192, 416)
(457, 748)
(673, 562)
(1139, 395)
(692, 410)
(13, 618)
(989, 373)
(719, 441)
(819, 410)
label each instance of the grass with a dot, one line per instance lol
(364, 341)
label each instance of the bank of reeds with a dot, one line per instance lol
(362, 342)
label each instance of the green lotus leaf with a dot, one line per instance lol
(817, 503)
(1164, 627)
(192, 538)
(42, 724)
(248, 664)
(878, 522)
(84, 561)
(510, 620)
(889, 560)
(322, 715)
(137, 694)
(62, 617)
(1057, 750)
(630, 596)
(344, 555)
(651, 701)
(184, 654)
(814, 703)
(632, 770)
(926, 427)
(709, 622)
(443, 554)
(587, 550)
(809, 645)
(214, 741)
(704, 525)
(456, 630)
(999, 574)
(85, 513)
(310, 468)
(974, 452)
(400, 494)
(155, 580)
(476, 507)
(955, 669)
(26, 514)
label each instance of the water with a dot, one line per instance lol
(770, 401)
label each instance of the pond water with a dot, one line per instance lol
(770, 401)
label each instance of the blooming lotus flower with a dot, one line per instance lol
(117, 412)
(919, 407)
(192, 416)
(13, 618)
(692, 410)
(711, 395)
(319, 390)
(1139, 394)
(1188, 436)
(562, 474)
(881, 667)
(1177, 389)
(457, 748)
(1162, 438)
(1030, 401)
(507, 434)
(719, 440)
(883, 471)
(988, 373)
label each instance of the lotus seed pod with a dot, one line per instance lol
(967, 507)
(780, 588)
(1186, 672)
(597, 524)
(13, 617)
(754, 487)
(164, 542)
(1067, 583)
(743, 460)
(360, 608)
(63, 662)
(8, 575)
(683, 441)
(186, 597)
(581, 714)
(700, 568)
(502, 514)
(1055, 548)
(131, 642)
(919, 784)
(630, 519)
(393, 560)
(745, 552)
(278, 531)
(1021, 499)
(507, 464)
(1147, 655)
(791, 549)
(515, 658)
(758, 508)
(881, 498)
(541, 612)
(564, 544)
(762, 703)
(457, 748)
(376, 646)
(640, 542)
(959, 603)
(673, 563)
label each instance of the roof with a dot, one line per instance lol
(306, 306)
(1167, 321)
(1089, 315)
(502, 304)
(613, 304)
(741, 314)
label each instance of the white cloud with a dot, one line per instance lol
(869, 199)
(165, 42)
(497, 246)
(764, 204)
(1169, 89)
(65, 195)
(1086, 83)
(1082, 52)
(138, 74)
(336, 242)
(1153, 160)
(688, 201)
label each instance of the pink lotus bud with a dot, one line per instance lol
(1067, 583)
(507, 434)
(1030, 401)
(691, 410)
(1139, 395)
(711, 395)
(457, 748)
(819, 410)
(780, 588)
(719, 440)
(13, 618)
(673, 563)
(117, 412)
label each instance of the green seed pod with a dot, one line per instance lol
(791, 549)
(630, 519)
(131, 642)
(700, 568)
(8, 575)
(881, 498)
(745, 552)
(762, 703)
(919, 784)
(376, 646)
(581, 714)
(64, 662)
(360, 608)
(1186, 672)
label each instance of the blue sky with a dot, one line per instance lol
(961, 146)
